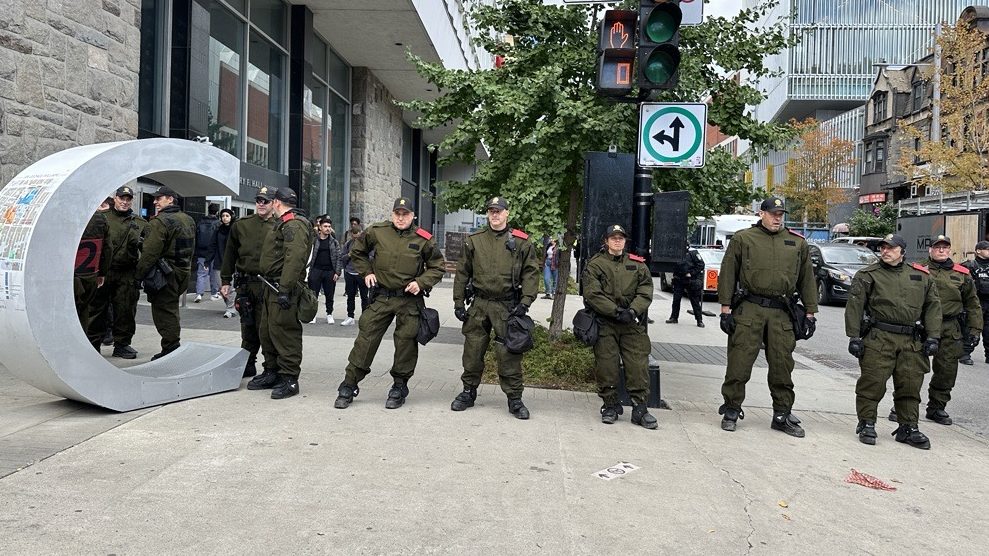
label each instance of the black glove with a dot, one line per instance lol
(973, 341)
(728, 323)
(284, 301)
(519, 311)
(460, 313)
(810, 325)
(931, 346)
(625, 316)
(856, 347)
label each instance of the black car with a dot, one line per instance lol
(834, 265)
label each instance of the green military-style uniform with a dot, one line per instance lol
(92, 262)
(284, 257)
(768, 267)
(241, 267)
(172, 238)
(611, 283)
(957, 292)
(400, 256)
(120, 292)
(493, 261)
(895, 298)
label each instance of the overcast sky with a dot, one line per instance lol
(714, 7)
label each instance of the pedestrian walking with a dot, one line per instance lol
(498, 276)
(979, 268)
(325, 270)
(406, 265)
(550, 268)
(688, 277)
(617, 286)
(891, 308)
(206, 255)
(763, 266)
(240, 275)
(221, 237)
(284, 256)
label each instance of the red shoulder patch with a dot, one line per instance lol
(423, 233)
(795, 233)
(520, 234)
(960, 268)
(636, 258)
(288, 216)
(920, 267)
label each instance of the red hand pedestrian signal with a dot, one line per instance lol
(619, 36)
(616, 43)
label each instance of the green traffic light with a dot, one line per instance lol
(660, 67)
(661, 25)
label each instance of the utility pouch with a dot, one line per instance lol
(308, 303)
(244, 304)
(518, 334)
(586, 327)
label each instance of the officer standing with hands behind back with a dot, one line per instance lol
(890, 306)
(406, 265)
(763, 266)
(503, 268)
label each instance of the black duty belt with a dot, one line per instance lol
(894, 328)
(383, 292)
(245, 279)
(949, 317)
(766, 301)
(499, 299)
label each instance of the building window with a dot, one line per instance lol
(265, 103)
(869, 158)
(313, 111)
(270, 17)
(226, 43)
(985, 61)
(881, 155)
(919, 92)
(879, 107)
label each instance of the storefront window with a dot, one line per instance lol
(225, 50)
(265, 104)
(269, 16)
(313, 110)
(337, 134)
(339, 75)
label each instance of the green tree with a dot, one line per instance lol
(814, 174)
(875, 223)
(538, 114)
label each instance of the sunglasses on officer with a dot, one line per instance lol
(261, 201)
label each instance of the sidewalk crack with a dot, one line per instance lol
(745, 492)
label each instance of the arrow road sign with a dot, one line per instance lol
(671, 135)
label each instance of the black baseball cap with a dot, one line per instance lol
(124, 191)
(265, 193)
(773, 204)
(941, 239)
(164, 191)
(499, 203)
(982, 245)
(402, 203)
(287, 196)
(615, 229)
(895, 240)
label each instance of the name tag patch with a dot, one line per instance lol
(790, 243)
(630, 267)
(916, 278)
(414, 246)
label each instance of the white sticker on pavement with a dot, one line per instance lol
(615, 471)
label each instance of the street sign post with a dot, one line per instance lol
(671, 135)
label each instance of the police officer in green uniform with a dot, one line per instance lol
(501, 267)
(891, 303)
(120, 293)
(91, 265)
(617, 286)
(241, 270)
(284, 258)
(406, 264)
(763, 266)
(959, 301)
(171, 238)
(979, 267)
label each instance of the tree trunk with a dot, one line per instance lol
(563, 278)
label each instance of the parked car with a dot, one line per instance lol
(871, 243)
(834, 266)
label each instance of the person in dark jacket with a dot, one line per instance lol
(353, 281)
(688, 277)
(205, 254)
(219, 247)
(325, 270)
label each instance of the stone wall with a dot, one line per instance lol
(376, 149)
(68, 77)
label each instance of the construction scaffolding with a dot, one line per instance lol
(945, 202)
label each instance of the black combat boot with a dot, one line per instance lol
(642, 417)
(610, 413)
(124, 352)
(345, 395)
(250, 369)
(464, 399)
(108, 338)
(892, 414)
(786, 422)
(867, 432)
(671, 320)
(267, 379)
(966, 360)
(909, 434)
(396, 396)
(517, 408)
(731, 417)
(166, 351)
(286, 388)
(700, 324)
(939, 416)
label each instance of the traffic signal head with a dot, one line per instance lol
(616, 43)
(659, 43)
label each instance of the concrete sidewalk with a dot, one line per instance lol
(241, 473)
